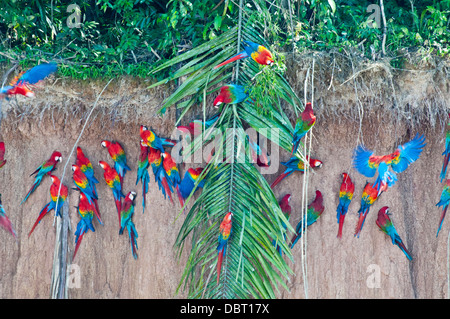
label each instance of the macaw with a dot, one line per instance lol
(2, 154)
(155, 161)
(86, 211)
(126, 215)
(230, 94)
(170, 167)
(259, 154)
(295, 164)
(370, 194)
(257, 52)
(187, 184)
(303, 125)
(224, 234)
(386, 225)
(45, 169)
(118, 156)
(446, 153)
(444, 201)
(142, 173)
(21, 83)
(54, 189)
(315, 209)
(345, 197)
(86, 167)
(154, 140)
(367, 164)
(164, 140)
(286, 209)
(112, 179)
(4, 220)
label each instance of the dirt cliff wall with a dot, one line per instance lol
(347, 268)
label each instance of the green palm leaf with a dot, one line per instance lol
(252, 267)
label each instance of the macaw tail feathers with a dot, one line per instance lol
(444, 167)
(239, 56)
(82, 229)
(145, 181)
(360, 224)
(341, 225)
(97, 212)
(180, 198)
(444, 211)
(219, 263)
(402, 246)
(118, 206)
(6, 223)
(132, 233)
(36, 183)
(166, 189)
(43, 212)
(280, 178)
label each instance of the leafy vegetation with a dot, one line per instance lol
(132, 36)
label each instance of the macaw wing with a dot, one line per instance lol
(37, 73)
(408, 153)
(445, 197)
(362, 161)
(2, 150)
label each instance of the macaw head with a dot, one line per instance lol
(384, 211)
(75, 168)
(218, 100)
(131, 195)
(55, 180)
(315, 163)
(106, 143)
(56, 156)
(103, 165)
(286, 199)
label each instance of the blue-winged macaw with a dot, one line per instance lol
(224, 234)
(303, 125)
(257, 52)
(86, 211)
(231, 94)
(295, 164)
(4, 220)
(446, 153)
(45, 169)
(119, 157)
(386, 225)
(126, 215)
(444, 201)
(142, 173)
(345, 197)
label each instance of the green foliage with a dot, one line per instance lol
(133, 36)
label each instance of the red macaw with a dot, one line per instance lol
(117, 154)
(54, 189)
(155, 161)
(170, 168)
(230, 94)
(286, 209)
(314, 211)
(4, 220)
(87, 168)
(86, 211)
(303, 125)
(45, 169)
(257, 52)
(370, 194)
(20, 84)
(187, 184)
(154, 140)
(224, 235)
(295, 164)
(386, 225)
(345, 197)
(82, 183)
(142, 173)
(112, 179)
(126, 215)
(2, 154)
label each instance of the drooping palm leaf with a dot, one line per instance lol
(252, 267)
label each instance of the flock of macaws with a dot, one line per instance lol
(153, 154)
